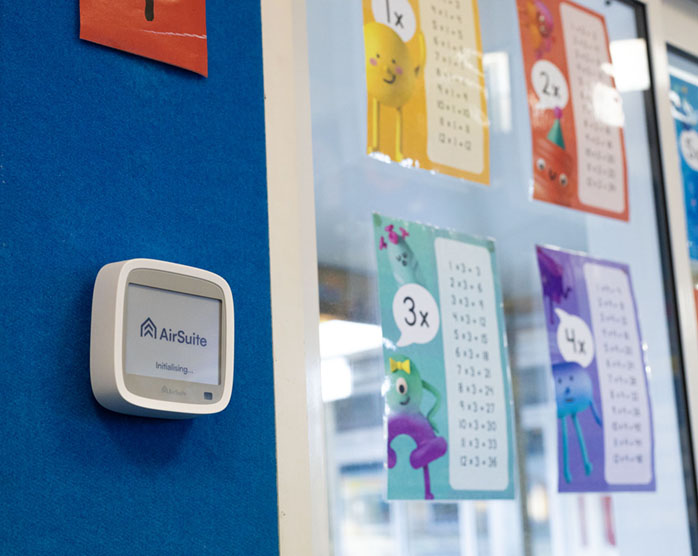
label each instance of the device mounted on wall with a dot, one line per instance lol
(162, 338)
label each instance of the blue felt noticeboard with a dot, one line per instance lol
(105, 156)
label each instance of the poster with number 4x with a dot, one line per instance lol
(448, 399)
(426, 86)
(604, 417)
(576, 112)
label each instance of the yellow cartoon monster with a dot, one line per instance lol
(391, 75)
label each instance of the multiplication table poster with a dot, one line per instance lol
(684, 109)
(604, 416)
(426, 86)
(576, 112)
(448, 399)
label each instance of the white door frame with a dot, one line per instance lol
(681, 24)
(302, 485)
(301, 481)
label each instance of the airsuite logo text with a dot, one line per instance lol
(148, 328)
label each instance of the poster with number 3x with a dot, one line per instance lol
(576, 112)
(171, 31)
(448, 400)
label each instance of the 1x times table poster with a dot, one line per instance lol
(576, 112)
(447, 388)
(425, 86)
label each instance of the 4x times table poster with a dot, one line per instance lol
(604, 415)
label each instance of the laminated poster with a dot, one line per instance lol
(171, 31)
(684, 97)
(426, 87)
(448, 400)
(576, 112)
(604, 418)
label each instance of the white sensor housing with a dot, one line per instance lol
(162, 338)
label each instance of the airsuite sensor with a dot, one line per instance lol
(162, 339)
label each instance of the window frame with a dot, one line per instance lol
(304, 526)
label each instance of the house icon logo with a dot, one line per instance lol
(148, 328)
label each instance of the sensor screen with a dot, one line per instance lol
(172, 335)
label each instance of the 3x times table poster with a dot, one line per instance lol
(448, 397)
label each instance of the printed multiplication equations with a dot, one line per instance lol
(454, 83)
(598, 112)
(475, 372)
(626, 410)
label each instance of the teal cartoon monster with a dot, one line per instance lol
(574, 394)
(404, 397)
(403, 262)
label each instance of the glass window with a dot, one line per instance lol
(350, 186)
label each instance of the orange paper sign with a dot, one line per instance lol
(576, 111)
(171, 31)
